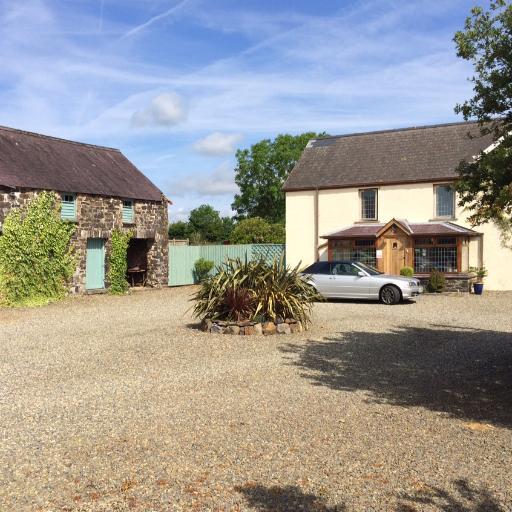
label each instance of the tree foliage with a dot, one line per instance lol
(179, 230)
(118, 263)
(36, 258)
(485, 185)
(261, 172)
(257, 231)
(204, 225)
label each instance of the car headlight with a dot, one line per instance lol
(412, 284)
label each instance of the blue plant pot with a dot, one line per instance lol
(478, 288)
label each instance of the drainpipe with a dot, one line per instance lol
(317, 254)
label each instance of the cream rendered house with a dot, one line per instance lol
(387, 198)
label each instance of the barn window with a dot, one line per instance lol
(68, 206)
(128, 213)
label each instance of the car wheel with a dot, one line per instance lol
(390, 295)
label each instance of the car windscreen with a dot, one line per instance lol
(320, 267)
(367, 268)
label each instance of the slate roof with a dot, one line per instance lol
(35, 161)
(407, 155)
(414, 229)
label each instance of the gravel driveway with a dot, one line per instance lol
(120, 404)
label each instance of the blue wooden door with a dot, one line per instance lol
(95, 264)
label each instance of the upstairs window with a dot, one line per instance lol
(68, 207)
(445, 201)
(368, 198)
(128, 214)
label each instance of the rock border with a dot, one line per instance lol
(247, 328)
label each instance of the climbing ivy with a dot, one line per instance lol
(117, 263)
(36, 258)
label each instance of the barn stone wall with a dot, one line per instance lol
(97, 217)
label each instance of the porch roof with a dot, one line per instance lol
(412, 228)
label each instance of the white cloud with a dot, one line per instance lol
(219, 182)
(218, 143)
(166, 109)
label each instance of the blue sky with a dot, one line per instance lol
(179, 85)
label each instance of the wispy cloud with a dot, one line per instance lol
(102, 9)
(219, 182)
(155, 19)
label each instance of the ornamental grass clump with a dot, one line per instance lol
(255, 290)
(36, 258)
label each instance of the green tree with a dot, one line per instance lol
(485, 185)
(36, 258)
(227, 228)
(206, 222)
(179, 230)
(261, 172)
(257, 231)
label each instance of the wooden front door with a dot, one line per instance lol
(395, 253)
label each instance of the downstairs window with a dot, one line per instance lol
(437, 253)
(362, 250)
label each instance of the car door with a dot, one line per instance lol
(347, 283)
(321, 277)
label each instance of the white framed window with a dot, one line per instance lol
(368, 202)
(444, 201)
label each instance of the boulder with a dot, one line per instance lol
(258, 329)
(217, 329)
(296, 327)
(206, 324)
(269, 328)
(232, 329)
(248, 330)
(283, 328)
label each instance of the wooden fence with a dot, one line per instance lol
(183, 257)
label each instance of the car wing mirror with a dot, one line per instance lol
(361, 274)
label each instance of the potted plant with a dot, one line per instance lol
(478, 286)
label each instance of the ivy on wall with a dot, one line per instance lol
(117, 262)
(36, 258)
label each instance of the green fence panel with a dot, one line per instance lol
(183, 257)
(181, 263)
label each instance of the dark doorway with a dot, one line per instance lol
(137, 259)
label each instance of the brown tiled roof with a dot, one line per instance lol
(405, 155)
(31, 160)
(415, 229)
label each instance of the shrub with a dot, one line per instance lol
(436, 282)
(257, 231)
(407, 271)
(202, 268)
(117, 262)
(255, 290)
(481, 273)
(36, 259)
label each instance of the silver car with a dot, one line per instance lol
(355, 280)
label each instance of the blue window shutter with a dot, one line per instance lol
(128, 212)
(68, 207)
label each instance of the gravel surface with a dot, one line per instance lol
(121, 404)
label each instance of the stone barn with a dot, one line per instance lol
(100, 190)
